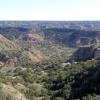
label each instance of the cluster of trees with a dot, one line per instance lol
(75, 82)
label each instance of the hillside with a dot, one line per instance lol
(30, 52)
(49, 61)
(73, 37)
(75, 81)
(6, 44)
(31, 37)
(68, 36)
(35, 56)
(12, 92)
(86, 53)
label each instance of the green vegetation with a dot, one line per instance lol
(79, 81)
(42, 70)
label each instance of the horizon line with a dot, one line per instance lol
(52, 20)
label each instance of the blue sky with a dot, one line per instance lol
(49, 9)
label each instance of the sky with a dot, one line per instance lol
(66, 10)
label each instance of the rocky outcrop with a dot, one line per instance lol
(72, 37)
(86, 41)
(97, 53)
(84, 53)
(31, 37)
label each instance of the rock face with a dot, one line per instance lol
(84, 53)
(72, 37)
(86, 41)
(31, 37)
(97, 53)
